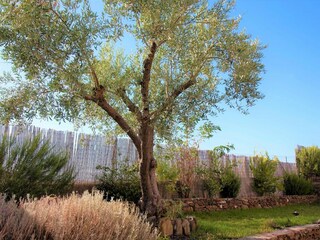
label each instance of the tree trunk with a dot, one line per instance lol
(151, 202)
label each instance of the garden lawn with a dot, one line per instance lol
(238, 223)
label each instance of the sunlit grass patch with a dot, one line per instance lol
(240, 223)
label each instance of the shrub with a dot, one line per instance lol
(210, 176)
(33, 168)
(297, 185)
(212, 186)
(167, 174)
(308, 161)
(230, 184)
(263, 169)
(173, 209)
(218, 178)
(182, 189)
(120, 183)
(73, 217)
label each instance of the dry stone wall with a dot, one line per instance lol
(219, 204)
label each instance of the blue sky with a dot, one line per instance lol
(289, 114)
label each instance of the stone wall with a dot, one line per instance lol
(307, 232)
(218, 204)
(316, 184)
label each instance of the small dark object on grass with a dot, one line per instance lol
(296, 213)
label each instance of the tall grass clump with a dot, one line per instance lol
(16, 223)
(74, 217)
(33, 167)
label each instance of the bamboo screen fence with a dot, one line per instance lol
(88, 151)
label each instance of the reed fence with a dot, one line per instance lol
(88, 151)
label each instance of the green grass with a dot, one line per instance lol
(233, 224)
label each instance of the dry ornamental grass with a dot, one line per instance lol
(74, 217)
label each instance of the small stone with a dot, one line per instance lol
(178, 227)
(166, 227)
(193, 223)
(186, 227)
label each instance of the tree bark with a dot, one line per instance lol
(151, 202)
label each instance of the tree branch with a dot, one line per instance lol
(147, 65)
(169, 101)
(132, 107)
(92, 70)
(99, 99)
(181, 88)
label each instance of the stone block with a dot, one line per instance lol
(178, 231)
(166, 227)
(186, 227)
(193, 223)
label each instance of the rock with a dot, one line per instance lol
(186, 227)
(178, 227)
(166, 227)
(193, 223)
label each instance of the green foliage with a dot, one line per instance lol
(33, 168)
(308, 161)
(190, 58)
(182, 189)
(202, 59)
(173, 209)
(297, 185)
(120, 183)
(167, 171)
(263, 169)
(167, 174)
(230, 183)
(218, 178)
(212, 186)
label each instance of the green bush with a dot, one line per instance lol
(33, 168)
(308, 161)
(297, 185)
(167, 175)
(210, 176)
(218, 178)
(120, 183)
(230, 184)
(263, 169)
(182, 189)
(173, 209)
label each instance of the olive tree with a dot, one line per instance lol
(190, 60)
